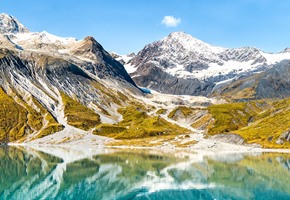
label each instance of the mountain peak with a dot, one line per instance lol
(9, 24)
(179, 34)
(287, 50)
(190, 43)
(88, 48)
(183, 37)
(91, 43)
(90, 38)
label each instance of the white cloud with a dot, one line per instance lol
(170, 21)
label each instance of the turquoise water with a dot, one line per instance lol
(140, 175)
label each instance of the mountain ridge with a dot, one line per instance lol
(65, 91)
(185, 57)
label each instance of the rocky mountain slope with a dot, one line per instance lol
(50, 83)
(271, 83)
(72, 89)
(182, 64)
(56, 90)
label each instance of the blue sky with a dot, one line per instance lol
(126, 26)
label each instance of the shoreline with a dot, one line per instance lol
(193, 149)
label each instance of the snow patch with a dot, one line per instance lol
(275, 58)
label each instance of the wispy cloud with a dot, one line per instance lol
(170, 21)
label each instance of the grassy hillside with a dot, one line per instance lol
(267, 130)
(137, 124)
(13, 119)
(18, 120)
(262, 122)
(182, 111)
(79, 115)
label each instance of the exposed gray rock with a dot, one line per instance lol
(153, 77)
(41, 76)
(229, 138)
(104, 64)
(243, 55)
(285, 137)
(275, 82)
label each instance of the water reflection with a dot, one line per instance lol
(131, 174)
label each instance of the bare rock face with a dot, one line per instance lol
(39, 74)
(284, 137)
(88, 48)
(155, 78)
(275, 82)
(286, 50)
(102, 61)
(229, 138)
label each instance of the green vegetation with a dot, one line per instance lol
(161, 111)
(18, 119)
(185, 111)
(79, 115)
(110, 129)
(137, 123)
(261, 122)
(50, 129)
(229, 117)
(52, 125)
(13, 118)
(267, 130)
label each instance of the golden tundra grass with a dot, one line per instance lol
(260, 122)
(18, 121)
(13, 118)
(137, 124)
(185, 111)
(79, 115)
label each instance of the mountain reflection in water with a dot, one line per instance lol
(59, 173)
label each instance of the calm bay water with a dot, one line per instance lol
(132, 174)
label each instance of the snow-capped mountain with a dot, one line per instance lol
(186, 59)
(56, 90)
(43, 78)
(9, 24)
(87, 51)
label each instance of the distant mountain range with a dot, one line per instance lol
(56, 90)
(182, 64)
